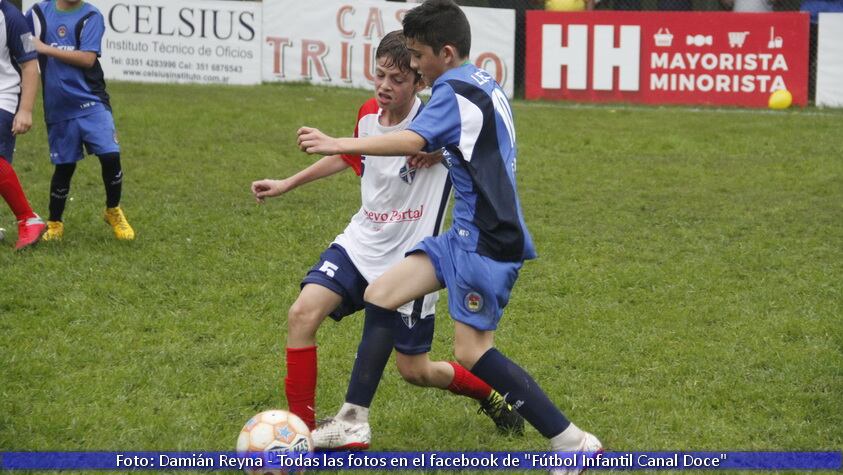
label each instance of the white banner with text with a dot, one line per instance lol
(333, 42)
(184, 41)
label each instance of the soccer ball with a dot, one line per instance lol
(275, 431)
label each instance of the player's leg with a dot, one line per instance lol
(349, 429)
(30, 225)
(333, 287)
(100, 137)
(412, 278)
(65, 144)
(311, 307)
(413, 341)
(476, 302)
(452, 376)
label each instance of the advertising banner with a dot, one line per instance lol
(333, 42)
(830, 60)
(719, 58)
(180, 41)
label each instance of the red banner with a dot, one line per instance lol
(720, 58)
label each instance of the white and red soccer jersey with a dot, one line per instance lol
(401, 206)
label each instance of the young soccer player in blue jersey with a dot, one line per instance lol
(77, 109)
(479, 258)
(377, 236)
(18, 82)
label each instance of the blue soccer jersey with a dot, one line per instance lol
(469, 116)
(15, 48)
(70, 91)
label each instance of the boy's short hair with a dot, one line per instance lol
(393, 49)
(437, 23)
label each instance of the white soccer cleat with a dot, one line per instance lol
(336, 434)
(590, 445)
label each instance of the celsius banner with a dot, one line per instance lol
(718, 58)
(180, 41)
(333, 42)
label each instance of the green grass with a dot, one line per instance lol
(687, 294)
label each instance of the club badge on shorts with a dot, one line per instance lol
(473, 302)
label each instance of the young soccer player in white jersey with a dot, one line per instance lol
(479, 257)
(18, 83)
(400, 207)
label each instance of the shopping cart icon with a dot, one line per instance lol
(737, 38)
(663, 38)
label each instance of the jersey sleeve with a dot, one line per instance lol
(356, 161)
(439, 122)
(19, 37)
(91, 37)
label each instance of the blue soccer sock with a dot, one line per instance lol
(372, 355)
(521, 391)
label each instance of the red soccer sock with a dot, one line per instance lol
(300, 383)
(12, 192)
(466, 384)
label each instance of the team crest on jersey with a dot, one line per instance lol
(61, 31)
(474, 302)
(407, 174)
(409, 320)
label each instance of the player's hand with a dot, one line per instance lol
(424, 159)
(267, 188)
(22, 122)
(312, 140)
(40, 47)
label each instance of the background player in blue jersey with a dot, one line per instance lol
(68, 37)
(18, 82)
(479, 258)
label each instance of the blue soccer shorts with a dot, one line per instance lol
(95, 131)
(478, 286)
(7, 140)
(335, 271)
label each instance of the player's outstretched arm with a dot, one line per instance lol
(80, 59)
(404, 142)
(325, 167)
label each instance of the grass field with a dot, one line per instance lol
(688, 294)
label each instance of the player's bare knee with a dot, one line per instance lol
(303, 319)
(377, 294)
(467, 357)
(413, 374)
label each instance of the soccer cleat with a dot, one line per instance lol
(336, 434)
(29, 232)
(117, 220)
(55, 231)
(590, 445)
(502, 413)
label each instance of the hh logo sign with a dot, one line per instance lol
(720, 58)
(612, 48)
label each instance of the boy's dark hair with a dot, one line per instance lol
(393, 48)
(437, 23)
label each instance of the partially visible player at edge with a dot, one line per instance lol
(400, 207)
(18, 82)
(77, 109)
(479, 257)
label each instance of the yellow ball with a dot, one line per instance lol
(564, 5)
(780, 99)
